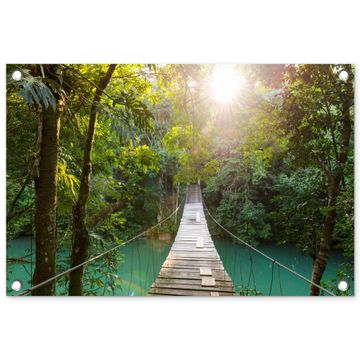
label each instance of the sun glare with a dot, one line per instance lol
(225, 83)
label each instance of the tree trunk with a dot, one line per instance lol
(326, 239)
(334, 189)
(80, 246)
(46, 197)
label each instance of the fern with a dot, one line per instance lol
(67, 180)
(34, 91)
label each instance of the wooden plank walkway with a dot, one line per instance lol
(193, 266)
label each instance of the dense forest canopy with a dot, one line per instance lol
(100, 152)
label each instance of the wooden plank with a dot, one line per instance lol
(198, 287)
(195, 254)
(193, 264)
(206, 248)
(194, 250)
(197, 217)
(187, 275)
(219, 283)
(177, 274)
(207, 281)
(205, 271)
(200, 242)
(200, 258)
(177, 292)
(205, 262)
(183, 292)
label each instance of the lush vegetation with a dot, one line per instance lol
(100, 152)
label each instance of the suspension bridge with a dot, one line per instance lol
(193, 265)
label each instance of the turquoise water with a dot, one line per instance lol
(251, 270)
(140, 265)
(142, 260)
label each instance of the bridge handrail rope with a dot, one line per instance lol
(267, 256)
(25, 292)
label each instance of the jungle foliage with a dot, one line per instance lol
(276, 163)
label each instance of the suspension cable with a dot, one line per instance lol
(139, 260)
(266, 256)
(272, 277)
(131, 270)
(25, 292)
(279, 279)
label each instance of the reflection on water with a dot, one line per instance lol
(140, 265)
(143, 258)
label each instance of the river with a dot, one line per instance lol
(250, 272)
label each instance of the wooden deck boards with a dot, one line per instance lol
(193, 249)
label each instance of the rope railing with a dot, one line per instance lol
(27, 291)
(267, 256)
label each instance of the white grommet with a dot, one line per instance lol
(16, 75)
(343, 285)
(343, 75)
(16, 285)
